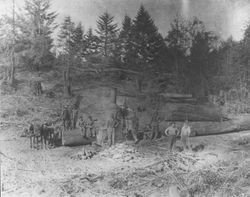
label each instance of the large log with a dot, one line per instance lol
(192, 112)
(239, 124)
(74, 138)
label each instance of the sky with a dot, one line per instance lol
(225, 17)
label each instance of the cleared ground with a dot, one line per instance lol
(217, 165)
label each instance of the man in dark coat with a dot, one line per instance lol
(111, 125)
(74, 117)
(155, 125)
(66, 118)
(135, 127)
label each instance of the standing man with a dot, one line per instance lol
(185, 133)
(155, 125)
(135, 127)
(111, 125)
(66, 118)
(91, 127)
(74, 117)
(83, 126)
(172, 132)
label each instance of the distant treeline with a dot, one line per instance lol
(200, 62)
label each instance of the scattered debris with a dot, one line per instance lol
(199, 147)
(118, 183)
(87, 152)
(122, 152)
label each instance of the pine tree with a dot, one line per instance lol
(199, 71)
(126, 44)
(106, 30)
(39, 27)
(66, 43)
(13, 42)
(65, 37)
(146, 38)
(77, 41)
(179, 42)
(91, 44)
(244, 57)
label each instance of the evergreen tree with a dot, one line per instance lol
(66, 36)
(199, 70)
(91, 44)
(39, 27)
(107, 30)
(66, 43)
(78, 41)
(147, 41)
(126, 42)
(244, 53)
(179, 41)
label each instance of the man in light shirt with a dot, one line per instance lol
(185, 133)
(172, 132)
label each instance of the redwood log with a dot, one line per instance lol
(192, 112)
(239, 124)
(74, 138)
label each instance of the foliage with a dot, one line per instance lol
(107, 33)
(147, 41)
(198, 61)
(126, 42)
(67, 44)
(65, 37)
(91, 44)
(38, 25)
(194, 50)
(77, 41)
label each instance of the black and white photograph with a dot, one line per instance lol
(124, 98)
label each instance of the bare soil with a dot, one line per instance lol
(217, 165)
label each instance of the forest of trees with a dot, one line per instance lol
(198, 61)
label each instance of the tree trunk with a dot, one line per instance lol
(75, 103)
(67, 84)
(11, 71)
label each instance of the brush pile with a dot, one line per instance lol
(87, 152)
(122, 152)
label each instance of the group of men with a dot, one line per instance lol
(71, 121)
(69, 118)
(172, 132)
(130, 125)
(127, 125)
(87, 127)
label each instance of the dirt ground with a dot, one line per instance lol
(217, 166)
(145, 169)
